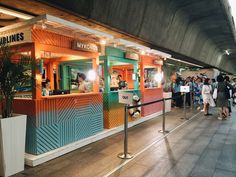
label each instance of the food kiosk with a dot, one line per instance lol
(64, 115)
(115, 66)
(150, 83)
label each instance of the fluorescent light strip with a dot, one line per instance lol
(227, 52)
(133, 44)
(185, 62)
(162, 54)
(75, 25)
(15, 13)
(143, 48)
(232, 4)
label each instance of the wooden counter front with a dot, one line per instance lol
(55, 121)
(149, 95)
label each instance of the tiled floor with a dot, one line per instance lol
(202, 147)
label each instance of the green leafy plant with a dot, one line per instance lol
(168, 70)
(13, 74)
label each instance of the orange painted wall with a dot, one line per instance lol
(149, 94)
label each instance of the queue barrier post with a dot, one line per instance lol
(191, 99)
(163, 118)
(125, 154)
(184, 117)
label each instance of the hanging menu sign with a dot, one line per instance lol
(14, 38)
(132, 55)
(84, 46)
(158, 62)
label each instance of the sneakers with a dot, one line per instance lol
(219, 118)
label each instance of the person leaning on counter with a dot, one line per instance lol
(82, 86)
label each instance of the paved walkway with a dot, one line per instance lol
(199, 147)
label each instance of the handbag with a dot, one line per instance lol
(215, 93)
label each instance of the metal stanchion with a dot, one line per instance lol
(191, 99)
(184, 107)
(163, 119)
(125, 155)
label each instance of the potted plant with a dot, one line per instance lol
(13, 74)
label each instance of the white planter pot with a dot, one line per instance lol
(168, 102)
(12, 144)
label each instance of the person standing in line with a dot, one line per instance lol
(222, 100)
(234, 91)
(213, 84)
(229, 92)
(198, 93)
(177, 93)
(207, 97)
(188, 95)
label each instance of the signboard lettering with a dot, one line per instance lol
(12, 38)
(132, 55)
(158, 62)
(125, 97)
(83, 46)
(15, 37)
(184, 89)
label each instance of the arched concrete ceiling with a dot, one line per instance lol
(194, 30)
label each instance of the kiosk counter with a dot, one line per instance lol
(72, 108)
(117, 73)
(55, 121)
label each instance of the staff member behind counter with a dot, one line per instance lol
(118, 83)
(46, 91)
(82, 85)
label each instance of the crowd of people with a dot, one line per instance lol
(205, 93)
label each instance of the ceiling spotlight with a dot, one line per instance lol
(142, 52)
(227, 52)
(103, 42)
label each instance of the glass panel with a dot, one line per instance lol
(77, 76)
(149, 77)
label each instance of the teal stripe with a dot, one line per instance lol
(69, 126)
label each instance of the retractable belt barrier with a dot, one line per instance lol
(126, 154)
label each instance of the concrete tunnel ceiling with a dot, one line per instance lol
(198, 29)
(194, 30)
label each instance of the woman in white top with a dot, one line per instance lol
(46, 88)
(82, 86)
(207, 96)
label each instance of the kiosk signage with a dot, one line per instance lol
(83, 46)
(16, 37)
(184, 89)
(132, 55)
(157, 62)
(125, 97)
